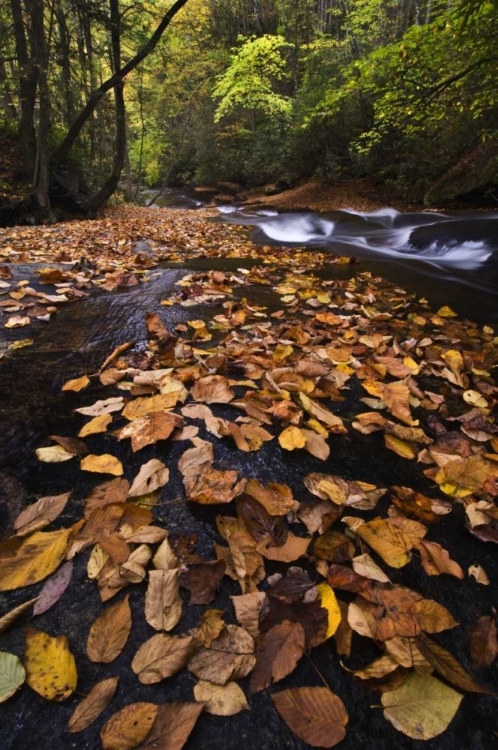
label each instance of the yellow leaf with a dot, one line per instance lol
(27, 561)
(127, 728)
(292, 438)
(446, 312)
(328, 601)
(104, 464)
(422, 707)
(54, 454)
(96, 425)
(402, 447)
(474, 398)
(50, 666)
(220, 700)
(77, 384)
(390, 542)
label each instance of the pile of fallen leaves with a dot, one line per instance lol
(421, 379)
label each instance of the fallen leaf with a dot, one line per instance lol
(422, 707)
(149, 429)
(17, 321)
(447, 666)
(203, 580)
(93, 705)
(12, 675)
(292, 438)
(293, 548)
(436, 560)
(210, 486)
(106, 406)
(103, 464)
(112, 492)
(247, 609)
(128, 727)
(315, 714)
(220, 700)
(483, 641)
(260, 524)
(173, 726)
(50, 666)
(278, 654)
(213, 389)
(40, 514)
(11, 617)
(210, 627)
(96, 425)
(390, 542)
(77, 384)
(326, 597)
(109, 633)
(151, 476)
(276, 499)
(54, 454)
(365, 566)
(142, 407)
(53, 588)
(378, 669)
(162, 656)
(163, 604)
(230, 657)
(334, 547)
(27, 561)
(478, 572)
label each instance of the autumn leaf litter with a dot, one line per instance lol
(312, 567)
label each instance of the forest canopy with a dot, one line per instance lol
(105, 93)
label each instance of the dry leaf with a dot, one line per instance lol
(54, 588)
(365, 566)
(292, 438)
(389, 541)
(203, 580)
(163, 604)
(12, 675)
(149, 429)
(173, 726)
(11, 617)
(103, 464)
(109, 633)
(107, 406)
(293, 548)
(40, 514)
(447, 666)
(129, 727)
(151, 476)
(230, 657)
(220, 700)
(478, 572)
(96, 425)
(483, 642)
(93, 705)
(54, 454)
(278, 654)
(77, 384)
(276, 499)
(422, 707)
(436, 560)
(162, 656)
(247, 608)
(326, 597)
(314, 714)
(212, 389)
(50, 665)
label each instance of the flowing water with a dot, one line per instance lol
(452, 259)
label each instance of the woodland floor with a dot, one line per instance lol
(252, 490)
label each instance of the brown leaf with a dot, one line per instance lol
(334, 547)
(210, 626)
(276, 499)
(129, 727)
(193, 458)
(149, 429)
(162, 656)
(405, 652)
(447, 666)
(77, 384)
(71, 445)
(210, 486)
(247, 609)
(203, 580)
(142, 407)
(173, 726)
(108, 493)
(483, 642)
(342, 492)
(220, 700)
(310, 615)
(314, 714)
(109, 633)
(293, 548)
(93, 705)
(53, 588)
(163, 604)
(102, 464)
(277, 655)
(11, 617)
(414, 503)
(40, 514)
(260, 524)
(230, 657)
(436, 560)
(213, 389)
(341, 577)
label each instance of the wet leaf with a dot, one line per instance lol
(334, 547)
(260, 524)
(247, 609)
(230, 657)
(327, 600)
(27, 561)
(103, 464)
(106, 406)
(129, 727)
(422, 707)
(278, 654)
(389, 541)
(162, 656)
(210, 486)
(151, 476)
(276, 499)
(93, 705)
(483, 641)
(149, 429)
(315, 714)
(50, 665)
(293, 548)
(173, 726)
(212, 389)
(54, 588)
(436, 560)
(109, 633)
(220, 700)
(96, 425)
(40, 514)
(163, 604)
(12, 675)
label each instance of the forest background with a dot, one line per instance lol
(95, 96)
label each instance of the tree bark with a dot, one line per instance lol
(28, 81)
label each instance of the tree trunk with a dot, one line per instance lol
(28, 81)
